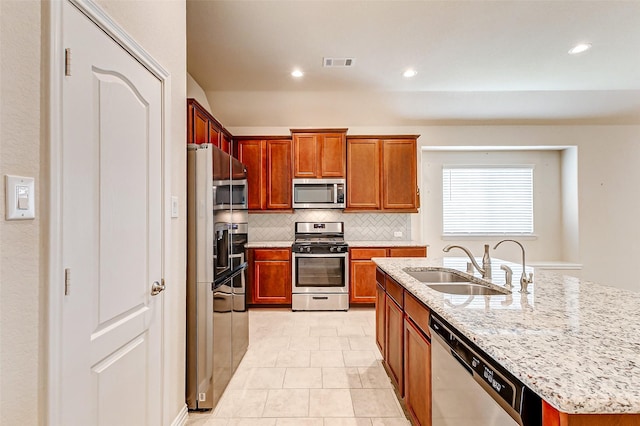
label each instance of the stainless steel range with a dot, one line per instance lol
(320, 267)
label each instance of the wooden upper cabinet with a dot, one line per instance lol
(363, 174)
(382, 173)
(268, 164)
(250, 153)
(278, 174)
(202, 127)
(399, 185)
(319, 154)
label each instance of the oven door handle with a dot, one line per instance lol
(345, 255)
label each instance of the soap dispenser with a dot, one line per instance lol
(486, 262)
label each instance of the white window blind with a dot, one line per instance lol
(487, 200)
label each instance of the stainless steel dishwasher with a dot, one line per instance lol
(516, 399)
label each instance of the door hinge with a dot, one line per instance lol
(67, 61)
(67, 281)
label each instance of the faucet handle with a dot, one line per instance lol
(508, 274)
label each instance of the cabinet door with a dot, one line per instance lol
(278, 190)
(394, 332)
(272, 278)
(306, 155)
(214, 134)
(200, 126)
(417, 374)
(362, 274)
(362, 282)
(380, 319)
(408, 252)
(225, 143)
(399, 187)
(363, 174)
(251, 153)
(332, 155)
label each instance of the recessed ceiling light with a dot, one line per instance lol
(579, 48)
(297, 73)
(409, 73)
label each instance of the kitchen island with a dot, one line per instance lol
(576, 344)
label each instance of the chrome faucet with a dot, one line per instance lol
(524, 280)
(485, 270)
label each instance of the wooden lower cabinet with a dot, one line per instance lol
(270, 276)
(417, 374)
(394, 336)
(380, 318)
(362, 271)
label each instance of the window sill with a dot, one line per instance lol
(473, 237)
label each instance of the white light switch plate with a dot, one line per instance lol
(20, 197)
(397, 234)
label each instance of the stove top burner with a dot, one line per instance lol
(312, 237)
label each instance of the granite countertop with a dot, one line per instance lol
(268, 244)
(573, 342)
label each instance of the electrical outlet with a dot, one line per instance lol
(397, 234)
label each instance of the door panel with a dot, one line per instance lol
(112, 232)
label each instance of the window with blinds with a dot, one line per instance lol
(487, 200)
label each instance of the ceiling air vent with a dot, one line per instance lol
(338, 62)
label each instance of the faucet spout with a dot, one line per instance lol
(524, 280)
(485, 270)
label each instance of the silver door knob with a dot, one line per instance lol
(157, 288)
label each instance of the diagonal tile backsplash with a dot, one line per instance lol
(357, 226)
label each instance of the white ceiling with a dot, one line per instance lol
(477, 61)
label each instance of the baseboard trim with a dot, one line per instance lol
(181, 418)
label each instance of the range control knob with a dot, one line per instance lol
(308, 249)
(332, 249)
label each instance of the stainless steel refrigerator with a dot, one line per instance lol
(217, 319)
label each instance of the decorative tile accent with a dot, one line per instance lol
(357, 226)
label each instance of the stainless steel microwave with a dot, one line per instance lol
(319, 193)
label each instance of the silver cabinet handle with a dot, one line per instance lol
(157, 288)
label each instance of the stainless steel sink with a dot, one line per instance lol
(437, 277)
(452, 283)
(467, 288)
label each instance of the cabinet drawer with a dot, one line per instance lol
(367, 253)
(272, 254)
(394, 290)
(407, 252)
(418, 313)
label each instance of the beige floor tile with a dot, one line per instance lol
(400, 421)
(252, 422)
(359, 358)
(347, 421)
(309, 421)
(375, 403)
(341, 378)
(303, 378)
(323, 331)
(311, 343)
(330, 403)
(296, 330)
(362, 343)
(293, 359)
(264, 378)
(330, 343)
(350, 330)
(216, 422)
(287, 403)
(327, 359)
(276, 343)
(374, 376)
(241, 403)
(259, 358)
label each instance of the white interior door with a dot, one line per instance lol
(111, 232)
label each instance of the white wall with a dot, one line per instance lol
(547, 244)
(22, 294)
(160, 27)
(195, 91)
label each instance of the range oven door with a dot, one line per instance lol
(320, 273)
